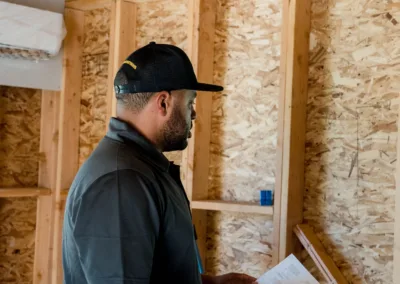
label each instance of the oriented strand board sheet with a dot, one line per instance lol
(244, 119)
(19, 156)
(352, 113)
(244, 132)
(17, 239)
(163, 22)
(94, 81)
(238, 242)
(97, 31)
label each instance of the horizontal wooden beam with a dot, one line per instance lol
(24, 192)
(87, 5)
(144, 1)
(244, 207)
(317, 252)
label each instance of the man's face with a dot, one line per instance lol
(176, 130)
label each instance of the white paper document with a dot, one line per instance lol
(289, 271)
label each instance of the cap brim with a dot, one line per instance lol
(208, 87)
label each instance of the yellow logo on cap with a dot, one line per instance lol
(130, 63)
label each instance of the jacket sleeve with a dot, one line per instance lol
(116, 228)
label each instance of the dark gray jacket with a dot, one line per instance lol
(127, 218)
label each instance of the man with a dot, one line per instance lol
(127, 217)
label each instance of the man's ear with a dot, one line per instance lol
(164, 102)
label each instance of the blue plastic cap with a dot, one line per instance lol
(266, 197)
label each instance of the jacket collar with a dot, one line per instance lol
(123, 132)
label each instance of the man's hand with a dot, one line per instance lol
(230, 278)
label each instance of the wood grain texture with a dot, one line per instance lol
(291, 134)
(47, 178)
(196, 156)
(24, 192)
(244, 207)
(317, 252)
(68, 147)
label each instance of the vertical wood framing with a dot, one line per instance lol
(288, 205)
(47, 178)
(196, 157)
(396, 248)
(68, 146)
(122, 43)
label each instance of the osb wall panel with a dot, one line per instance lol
(354, 84)
(244, 119)
(163, 22)
(238, 242)
(244, 132)
(93, 122)
(19, 156)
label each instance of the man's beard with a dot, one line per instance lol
(175, 132)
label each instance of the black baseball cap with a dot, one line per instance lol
(158, 67)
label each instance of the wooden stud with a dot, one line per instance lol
(245, 207)
(195, 158)
(24, 192)
(288, 205)
(68, 148)
(396, 248)
(317, 252)
(47, 178)
(122, 44)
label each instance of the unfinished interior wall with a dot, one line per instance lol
(244, 132)
(94, 80)
(19, 156)
(354, 84)
(163, 22)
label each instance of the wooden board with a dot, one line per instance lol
(123, 39)
(244, 207)
(196, 157)
(24, 192)
(87, 5)
(291, 133)
(68, 147)
(47, 178)
(317, 252)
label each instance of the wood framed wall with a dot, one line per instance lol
(62, 148)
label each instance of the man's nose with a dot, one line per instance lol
(193, 114)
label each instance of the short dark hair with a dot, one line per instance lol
(134, 102)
